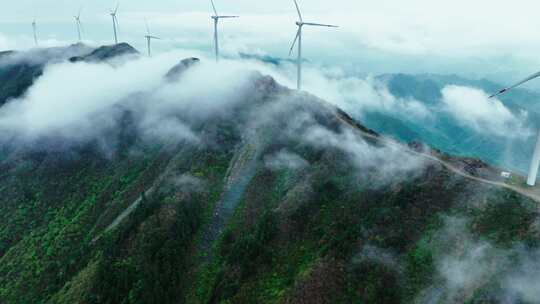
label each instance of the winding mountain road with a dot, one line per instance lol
(449, 166)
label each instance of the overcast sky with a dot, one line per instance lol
(481, 38)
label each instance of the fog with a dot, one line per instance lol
(80, 102)
(473, 39)
(473, 109)
(466, 262)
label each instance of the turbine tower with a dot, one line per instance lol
(535, 162)
(300, 23)
(78, 24)
(115, 23)
(149, 38)
(216, 18)
(34, 28)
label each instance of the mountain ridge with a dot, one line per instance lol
(323, 210)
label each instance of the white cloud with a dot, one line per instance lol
(474, 109)
(465, 263)
(386, 163)
(358, 95)
(81, 101)
(384, 36)
(285, 159)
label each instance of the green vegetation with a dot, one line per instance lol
(325, 233)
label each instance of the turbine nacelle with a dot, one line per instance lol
(115, 23)
(216, 18)
(113, 12)
(223, 17)
(298, 40)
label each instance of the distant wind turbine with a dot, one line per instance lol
(216, 18)
(78, 24)
(535, 162)
(149, 38)
(115, 23)
(298, 39)
(34, 28)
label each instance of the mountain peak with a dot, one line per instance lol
(176, 71)
(107, 52)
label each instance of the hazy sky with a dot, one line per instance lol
(481, 38)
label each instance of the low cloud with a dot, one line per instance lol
(85, 101)
(522, 282)
(388, 163)
(285, 159)
(475, 110)
(465, 264)
(359, 95)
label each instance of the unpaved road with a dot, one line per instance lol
(523, 191)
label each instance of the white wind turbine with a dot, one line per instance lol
(149, 38)
(34, 28)
(298, 39)
(115, 23)
(535, 162)
(216, 18)
(78, 24)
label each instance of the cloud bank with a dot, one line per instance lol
(475, 110)
(465, 264)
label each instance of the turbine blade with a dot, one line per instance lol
(294, 41)
(80, 11)
(298, 10)
(533, 76)
(320, 24)
(220, 17)
(214, 7)
(117, 25)
(147, 28)
(498, 93)
(116, 9)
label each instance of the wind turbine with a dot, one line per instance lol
(115, 23)
(300, 23)
(34, 28)
(535, 162)
(216, 18)
(149, 38)
(78, 24)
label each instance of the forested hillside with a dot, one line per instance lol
(244, 193)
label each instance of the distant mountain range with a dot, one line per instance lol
(446, 133)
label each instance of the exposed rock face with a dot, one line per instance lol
(176, 72)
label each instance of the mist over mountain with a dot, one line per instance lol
(499, 132)
(175, 179)
(448, 112)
